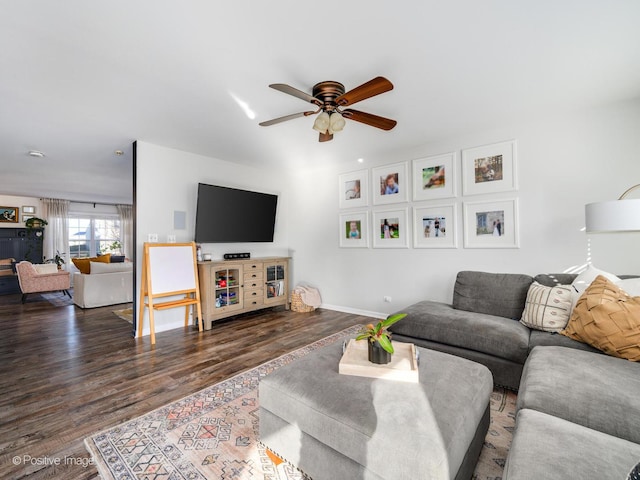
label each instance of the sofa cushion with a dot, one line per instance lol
(585, 279)
(99, 267)
(547, 447)
(440, 322)
(595, 391)
(547, 308)
(500, 294)
(84, 264)
(538, 338)
(553, 279)
(607, 318)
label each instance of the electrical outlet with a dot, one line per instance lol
(387, 299)
(153, 237)
(171, 239)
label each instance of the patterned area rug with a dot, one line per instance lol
(213, 434)
(58, 299)
(125, 314)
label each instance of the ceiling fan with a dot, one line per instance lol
(330, 98)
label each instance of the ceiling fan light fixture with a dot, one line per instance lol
(336, 123)
(322, 123)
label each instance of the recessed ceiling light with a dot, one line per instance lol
(35, 153)
(360, 160)
(119, 153)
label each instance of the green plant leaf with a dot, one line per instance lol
(363, 336)
(393, 319)
(386, 343)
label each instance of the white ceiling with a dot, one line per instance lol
(82, 79)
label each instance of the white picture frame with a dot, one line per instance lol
(390, 228)
(352, 222)
(489, 169)
(491, 224)
(29, 210)
(435, 226)
(353, 189)
(390, 184)
(434, 177)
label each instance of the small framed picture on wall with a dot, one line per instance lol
(354, 230)
(9, 215)
(390, 184)
(492, 224)
(489, 169)
(353, 189)
(434, 227)
(390, 229)
(434, 177)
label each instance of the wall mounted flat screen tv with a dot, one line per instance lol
(230, 215)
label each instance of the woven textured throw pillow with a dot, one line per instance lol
(547, 308)
(607, 318)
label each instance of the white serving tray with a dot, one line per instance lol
(403, 366)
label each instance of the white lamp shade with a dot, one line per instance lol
(322, 122)
(336, 123)
(613, 216)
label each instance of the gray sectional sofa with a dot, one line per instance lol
(578, 410)
(578, 417)
(482, 323)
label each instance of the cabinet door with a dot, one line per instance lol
(227, 288)
(275, 274)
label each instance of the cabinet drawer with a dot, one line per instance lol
(250, 277)
(253, 295)
(254, 302)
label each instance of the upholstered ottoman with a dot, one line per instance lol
(339, 426)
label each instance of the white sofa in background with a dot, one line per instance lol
(107, 284)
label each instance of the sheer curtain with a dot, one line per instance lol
(126, 227)
(56, 233)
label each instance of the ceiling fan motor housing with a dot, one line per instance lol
(327, 92)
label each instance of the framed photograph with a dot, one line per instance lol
(353, 189)
(489, 169)
(9, 215)
(26, 217)
(29, 210)
(390, 229)
(434, 177)
(390, 184)
(491, 224)
(434, 227)
(354, 230)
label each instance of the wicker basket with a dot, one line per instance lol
(297, 305)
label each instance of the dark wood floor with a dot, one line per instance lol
(67, 373)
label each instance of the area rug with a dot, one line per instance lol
(213, 434)
(125, 314)
(58, 299)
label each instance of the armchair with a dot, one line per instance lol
(41, 278)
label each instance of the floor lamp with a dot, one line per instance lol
(622, 215)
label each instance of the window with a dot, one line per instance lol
(93, 235)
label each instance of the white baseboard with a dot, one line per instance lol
(354, 311)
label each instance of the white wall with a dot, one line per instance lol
(167, 181)
(564, 162)
(15, 201)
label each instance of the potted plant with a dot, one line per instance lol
(58, 260)
(35, 222)
(379, 339)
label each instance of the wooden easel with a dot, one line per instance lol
(169, 269)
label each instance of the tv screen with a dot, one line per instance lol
(230, 215)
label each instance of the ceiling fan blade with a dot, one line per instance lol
(325, 137)
(369, 119)
(295, 92)
(367, 90)
(285, 118)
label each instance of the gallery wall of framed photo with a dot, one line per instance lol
(416, 204)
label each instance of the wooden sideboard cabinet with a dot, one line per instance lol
(231, 287)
